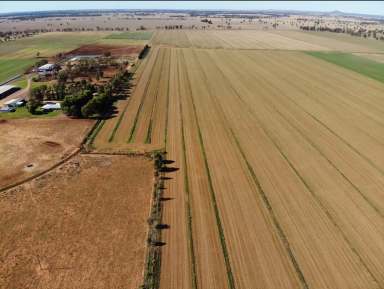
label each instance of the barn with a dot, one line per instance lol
(6, 90)
(46, 69)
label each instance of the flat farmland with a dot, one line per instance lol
(266, 40)
(277, 157)
(82, 225)
(31, 146)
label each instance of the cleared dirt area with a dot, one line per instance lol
(278, 157)
(30, 146)
(82, 225)
(99, 49)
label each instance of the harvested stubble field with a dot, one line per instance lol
(82, 225)
(278, 166)
(265, 40)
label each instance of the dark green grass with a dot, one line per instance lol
(137, 35)
(349, 61)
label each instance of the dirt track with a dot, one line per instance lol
(82, 225)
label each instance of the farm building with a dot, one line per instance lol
(46, 69)
(7, 109)
(50, 106)
(15, 102)
(6, 90)
(81, 57)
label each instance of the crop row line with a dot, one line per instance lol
(333, 132)
(189, 207)
(262, 193)
(314, 195)
(231, 280)
(332, 164)
(88, 142)
(167, 104)
(318, 149)
(148, 137)
(111, 137)
(133, 129)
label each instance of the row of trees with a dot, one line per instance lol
(360, 32)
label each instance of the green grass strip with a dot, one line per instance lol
(94, 133)
(148, 138)
(362, 65)
(133, 130)
(117, 125)
(189, 208)
(131, 35)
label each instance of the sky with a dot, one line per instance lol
(364, 7)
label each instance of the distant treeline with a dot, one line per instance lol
(361, 32)
(45, 14)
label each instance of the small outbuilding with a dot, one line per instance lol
(7, 109)
(51, 106)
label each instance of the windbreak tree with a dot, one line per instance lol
(72, 104)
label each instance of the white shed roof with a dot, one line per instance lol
(47, 66)
(51, 106)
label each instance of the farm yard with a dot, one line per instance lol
(17, 56)
(278, 170)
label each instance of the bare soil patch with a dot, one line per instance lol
(97, 49)
(82, 225)
(41, 142)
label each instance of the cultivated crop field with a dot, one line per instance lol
(278, 163)
(266, 40)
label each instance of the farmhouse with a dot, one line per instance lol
(46, 69)
(6, 90)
